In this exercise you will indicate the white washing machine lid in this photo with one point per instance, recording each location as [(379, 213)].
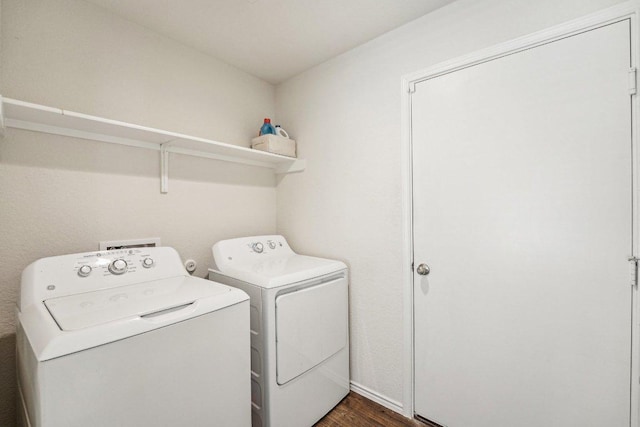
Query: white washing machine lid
[(146, 299), (68, 324), (281, 270)]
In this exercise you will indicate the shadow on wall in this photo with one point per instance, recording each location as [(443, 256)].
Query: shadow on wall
[(8, 390), (34, 151)]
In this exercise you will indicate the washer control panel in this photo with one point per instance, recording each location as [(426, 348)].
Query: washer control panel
[(116, 262), (76, 273)]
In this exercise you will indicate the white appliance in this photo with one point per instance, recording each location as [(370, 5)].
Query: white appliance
[(128, 338), (299, 328)]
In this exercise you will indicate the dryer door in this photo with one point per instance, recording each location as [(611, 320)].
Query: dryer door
[(311, 326)]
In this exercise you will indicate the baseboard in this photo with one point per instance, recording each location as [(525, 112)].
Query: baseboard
[(377, 397)]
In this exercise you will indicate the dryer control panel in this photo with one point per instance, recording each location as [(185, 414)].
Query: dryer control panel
[(250, 249), (267, 245)]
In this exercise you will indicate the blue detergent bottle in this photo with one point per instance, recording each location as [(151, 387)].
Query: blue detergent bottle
[(267, 127)]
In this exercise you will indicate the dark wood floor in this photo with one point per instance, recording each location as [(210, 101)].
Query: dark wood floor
[(357, 411)]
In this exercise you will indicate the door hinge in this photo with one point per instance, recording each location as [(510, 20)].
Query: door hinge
[(634, 270), (633, 79), (2, 126), (412, 87)]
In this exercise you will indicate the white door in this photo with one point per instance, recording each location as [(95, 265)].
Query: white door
[(523, 212)]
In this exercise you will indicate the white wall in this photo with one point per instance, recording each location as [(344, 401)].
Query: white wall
[(345, 114), (61, 195)]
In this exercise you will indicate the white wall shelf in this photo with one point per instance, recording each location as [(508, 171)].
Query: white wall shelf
[(40, 118)]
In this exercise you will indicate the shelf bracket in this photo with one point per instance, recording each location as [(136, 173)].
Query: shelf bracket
[(164, 168), (297, 166)]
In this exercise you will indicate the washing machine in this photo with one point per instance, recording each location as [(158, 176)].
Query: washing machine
[(128, 338), (299, 327)]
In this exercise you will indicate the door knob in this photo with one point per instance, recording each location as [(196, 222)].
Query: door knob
[(423, 269)]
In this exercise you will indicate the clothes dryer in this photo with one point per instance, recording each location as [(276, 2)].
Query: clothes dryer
[(128, 338), (299, 327)]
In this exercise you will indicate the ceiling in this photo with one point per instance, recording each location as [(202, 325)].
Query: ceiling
[(271, 39)]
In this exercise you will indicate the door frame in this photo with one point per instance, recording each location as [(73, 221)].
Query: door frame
[(629, 10)]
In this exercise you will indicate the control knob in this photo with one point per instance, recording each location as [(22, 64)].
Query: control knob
[(272, 244), (118, 266), (84, 271), (147, 263), (258, 247)]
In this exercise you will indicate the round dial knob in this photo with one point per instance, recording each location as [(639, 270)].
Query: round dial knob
[(118, 266), (272, 245), (84, 271), (147, 263), (258, 247)]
